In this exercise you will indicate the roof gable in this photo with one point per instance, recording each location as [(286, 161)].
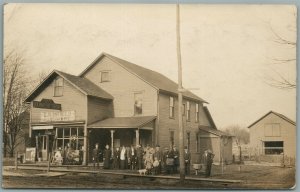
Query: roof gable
[(153, 78), (82, 84), (277, 114)]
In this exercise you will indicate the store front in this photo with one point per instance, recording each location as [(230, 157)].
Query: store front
[(67, 140)]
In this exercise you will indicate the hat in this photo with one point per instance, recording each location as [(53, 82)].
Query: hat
[(185, 147), (157, 145)]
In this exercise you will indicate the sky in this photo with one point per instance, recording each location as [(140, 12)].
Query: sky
[(228, 51)]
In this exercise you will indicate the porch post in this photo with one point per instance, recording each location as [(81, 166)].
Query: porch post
[(137, 137), (112, 139)]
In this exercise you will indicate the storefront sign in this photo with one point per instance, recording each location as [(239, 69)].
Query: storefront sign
[(42, 127), (46, 104), (58, 116)]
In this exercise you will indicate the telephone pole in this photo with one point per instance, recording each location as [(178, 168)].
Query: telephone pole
[(180, 90)]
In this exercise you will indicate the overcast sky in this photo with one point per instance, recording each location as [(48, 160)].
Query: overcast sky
[(227, 50)]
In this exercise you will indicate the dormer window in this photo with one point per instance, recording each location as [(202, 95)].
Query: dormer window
[(58, 87), (104, 75)]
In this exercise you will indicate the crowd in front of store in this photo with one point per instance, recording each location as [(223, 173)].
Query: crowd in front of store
[(152, 159)]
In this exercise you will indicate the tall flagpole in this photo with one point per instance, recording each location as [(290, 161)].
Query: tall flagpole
[(180, 90)]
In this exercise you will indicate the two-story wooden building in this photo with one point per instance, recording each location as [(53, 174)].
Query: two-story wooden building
[(113, 102)]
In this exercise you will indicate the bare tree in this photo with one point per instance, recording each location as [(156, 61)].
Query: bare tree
[(241, 135), (15, 89), (279, 79)]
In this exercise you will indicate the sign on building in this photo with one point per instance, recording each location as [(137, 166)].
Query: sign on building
[(57, 116)]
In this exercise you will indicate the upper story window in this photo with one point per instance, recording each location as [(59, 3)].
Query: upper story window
[(183, 109), (188, 115), (171, 113), (197, 113), (138, 103), (104, 76), (272, 130), (58, 87)]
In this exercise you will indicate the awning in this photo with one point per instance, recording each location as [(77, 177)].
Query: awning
[(42, 127), (124, 122)]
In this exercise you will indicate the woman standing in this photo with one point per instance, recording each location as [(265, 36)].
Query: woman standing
[(106, 157)]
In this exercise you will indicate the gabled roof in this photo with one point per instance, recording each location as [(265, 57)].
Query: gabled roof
[(214, 131), (210, 119), (123, 122), (156, 79), (82, 84), (275, 113)]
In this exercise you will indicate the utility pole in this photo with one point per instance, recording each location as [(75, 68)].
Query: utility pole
[(180, 90)]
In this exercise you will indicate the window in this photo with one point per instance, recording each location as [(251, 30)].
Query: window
[(188, 111), (272, 130), (273, 147), (197, 113), (104, 76), (188, 138), (183, 109), (138, 103), (171, 113), (172, 138), (58, 87), (72, 136)]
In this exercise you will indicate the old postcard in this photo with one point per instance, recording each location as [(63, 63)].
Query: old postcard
[(149, 96)]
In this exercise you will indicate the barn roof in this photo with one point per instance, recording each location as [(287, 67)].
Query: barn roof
[(82, 84), (154, 78), (275, 113)]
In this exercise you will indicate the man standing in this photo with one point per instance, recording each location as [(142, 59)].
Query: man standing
[(176, 159), (116, 157), (207, 160), (139, 154), (132, 157), (187, 160), (96, 156), (159, 155), (123, 157)]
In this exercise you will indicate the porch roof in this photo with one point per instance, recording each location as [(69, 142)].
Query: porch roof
[(123, 122), (214, 131)]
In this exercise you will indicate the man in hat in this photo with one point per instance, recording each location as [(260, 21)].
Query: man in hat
[(187, 160), (176, 159), (207, 160), (159, 155), (96, 156), (139, 156)]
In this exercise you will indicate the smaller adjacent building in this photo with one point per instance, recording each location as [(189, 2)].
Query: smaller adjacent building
[(273, 137), (218, 141)]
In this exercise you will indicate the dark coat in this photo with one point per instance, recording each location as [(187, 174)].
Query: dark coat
[(107, 158)]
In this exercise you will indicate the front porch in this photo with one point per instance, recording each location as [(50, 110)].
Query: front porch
[(120, 131)]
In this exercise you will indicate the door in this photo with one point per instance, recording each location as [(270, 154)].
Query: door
[(45, 147)]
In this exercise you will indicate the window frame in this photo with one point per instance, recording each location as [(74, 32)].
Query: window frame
[(172, 137), (58, 87), (272, 150), (171, 108), (134, 104), (197, 113), (101, 76), (188, 111)]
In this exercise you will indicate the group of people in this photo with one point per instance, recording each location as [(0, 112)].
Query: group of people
[(154, 160)]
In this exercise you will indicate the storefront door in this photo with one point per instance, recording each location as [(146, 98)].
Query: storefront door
[(45, 147)]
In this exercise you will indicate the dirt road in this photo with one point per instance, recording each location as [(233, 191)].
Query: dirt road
[(254, 177)]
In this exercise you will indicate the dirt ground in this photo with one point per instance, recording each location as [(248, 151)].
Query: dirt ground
[(253, 177)]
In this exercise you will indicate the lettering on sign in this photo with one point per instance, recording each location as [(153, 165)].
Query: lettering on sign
[(46, 104), (58, 116)]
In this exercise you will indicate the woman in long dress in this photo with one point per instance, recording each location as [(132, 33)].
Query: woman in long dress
[(106, 157)]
